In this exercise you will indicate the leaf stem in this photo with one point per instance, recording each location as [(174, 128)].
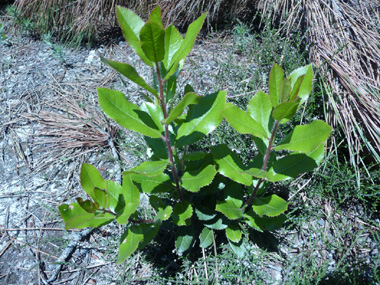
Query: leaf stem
[(266, 159), (167, 138)]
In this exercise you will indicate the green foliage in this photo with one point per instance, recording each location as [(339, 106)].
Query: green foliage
[(198, 192)]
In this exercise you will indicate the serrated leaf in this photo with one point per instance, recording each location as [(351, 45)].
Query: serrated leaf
[(186, 45), (230, 165), (188, 99), (264, 223), (90, 178), (155, 113), (74, 216), (129, 200), (157, 203), (129, 72), (205, 238), (285, 110), (270, 206), (218, 223), (202, 119), (205, 213), (275, 78), (184, 238), (149, 168), (153, 184), (243, 122), (152, 41), (229, 209), (307, 82), (173, 41), (193, 181), (306, 138), (182, 212), (131, 25), (260, 110), (129, 242), (126, 114), (233, 233), (155, 16)]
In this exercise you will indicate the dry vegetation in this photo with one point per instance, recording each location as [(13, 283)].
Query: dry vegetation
[(345, 46)]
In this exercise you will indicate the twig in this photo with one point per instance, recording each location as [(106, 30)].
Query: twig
[(75, 238)]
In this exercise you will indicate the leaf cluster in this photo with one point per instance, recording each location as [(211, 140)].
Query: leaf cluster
[(208, 191)]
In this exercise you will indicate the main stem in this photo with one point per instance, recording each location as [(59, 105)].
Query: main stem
[(266, 159), (167, 138)]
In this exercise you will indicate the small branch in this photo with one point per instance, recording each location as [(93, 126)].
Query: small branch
[(266, 159), (167, 138)]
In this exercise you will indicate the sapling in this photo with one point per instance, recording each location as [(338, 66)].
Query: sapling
[(207, 190)]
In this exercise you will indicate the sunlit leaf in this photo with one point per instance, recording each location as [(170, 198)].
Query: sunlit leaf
[(275, 78), (130, 242), (205, 238), (188, 99), (184, 238), (152, 40), (270, 206), (233, 233), (260, 109), (193, 181), (149, 168), (90, 178), (182, 212)]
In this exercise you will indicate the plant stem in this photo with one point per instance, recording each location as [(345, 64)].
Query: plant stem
[(167, 138), (266, 159)]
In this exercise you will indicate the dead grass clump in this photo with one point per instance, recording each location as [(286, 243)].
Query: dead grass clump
[(345, 47)]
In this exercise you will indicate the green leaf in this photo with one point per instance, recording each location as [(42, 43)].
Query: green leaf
[(205, 213), (239, 248), (184, 238), (285, 110), (126, 114), (285, 89), (275, 78), (129, 200), (296, 88), (170, 86), (260, 110), (193, 181), (307, 82), (164, 214), (74, 216), (91, 178), (129, 72), (156, 115), (243, 123), (306, 138), (153, 184), (131, 25), (155, 16), (229, 208), (115, 192), (188, 99), (202, 119), (102, 197), (149, 168), (158, 147), (152, 39), (263, 223), (173, 41), (186, 45), (205, 238), (157, 203), (230, 165), (88, 205), (233, 233), (129, 242), (218, 223), (182, 212), (294, 164), (270, 206), (149, 231)]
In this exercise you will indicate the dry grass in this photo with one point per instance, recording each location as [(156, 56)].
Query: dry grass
[(345, 47), (87, 21)]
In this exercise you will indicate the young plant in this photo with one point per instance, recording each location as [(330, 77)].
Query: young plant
[(198, 192)]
